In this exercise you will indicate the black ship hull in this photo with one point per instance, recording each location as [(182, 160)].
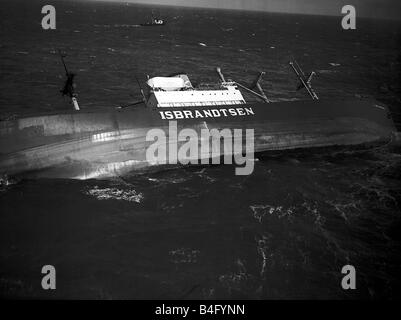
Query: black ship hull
[(106, 143)]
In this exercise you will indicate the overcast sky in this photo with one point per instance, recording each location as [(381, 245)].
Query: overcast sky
[(370, 8)]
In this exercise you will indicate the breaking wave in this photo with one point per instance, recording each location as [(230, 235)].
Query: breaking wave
[(115, 194)]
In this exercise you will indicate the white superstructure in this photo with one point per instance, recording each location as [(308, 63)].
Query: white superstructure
[(178, 91)]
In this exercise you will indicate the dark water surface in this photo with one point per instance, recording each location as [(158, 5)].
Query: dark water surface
[(201, 232)]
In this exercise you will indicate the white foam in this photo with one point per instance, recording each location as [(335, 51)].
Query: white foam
[(115, 194)]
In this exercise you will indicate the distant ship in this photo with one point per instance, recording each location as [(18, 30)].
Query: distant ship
[(101, 143), (153, 22)]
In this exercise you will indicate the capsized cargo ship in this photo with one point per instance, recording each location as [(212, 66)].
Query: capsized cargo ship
[(99, 143)]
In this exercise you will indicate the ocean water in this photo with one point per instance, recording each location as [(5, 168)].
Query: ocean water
[(200, 232)]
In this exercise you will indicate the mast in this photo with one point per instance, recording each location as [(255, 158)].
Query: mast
[(69, 85), (255, 84), (304, 82)]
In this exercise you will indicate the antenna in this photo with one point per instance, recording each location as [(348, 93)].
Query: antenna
[(144, 100), (140, 88), (62, 60)]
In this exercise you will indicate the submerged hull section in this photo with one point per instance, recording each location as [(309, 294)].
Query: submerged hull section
[(100, 144)]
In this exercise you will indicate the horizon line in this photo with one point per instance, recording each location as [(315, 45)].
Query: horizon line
[(146, 3)]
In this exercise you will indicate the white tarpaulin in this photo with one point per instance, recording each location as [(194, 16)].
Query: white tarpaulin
[(166, 83)]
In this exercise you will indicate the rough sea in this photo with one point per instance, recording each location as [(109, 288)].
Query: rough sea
[(283, 232)]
